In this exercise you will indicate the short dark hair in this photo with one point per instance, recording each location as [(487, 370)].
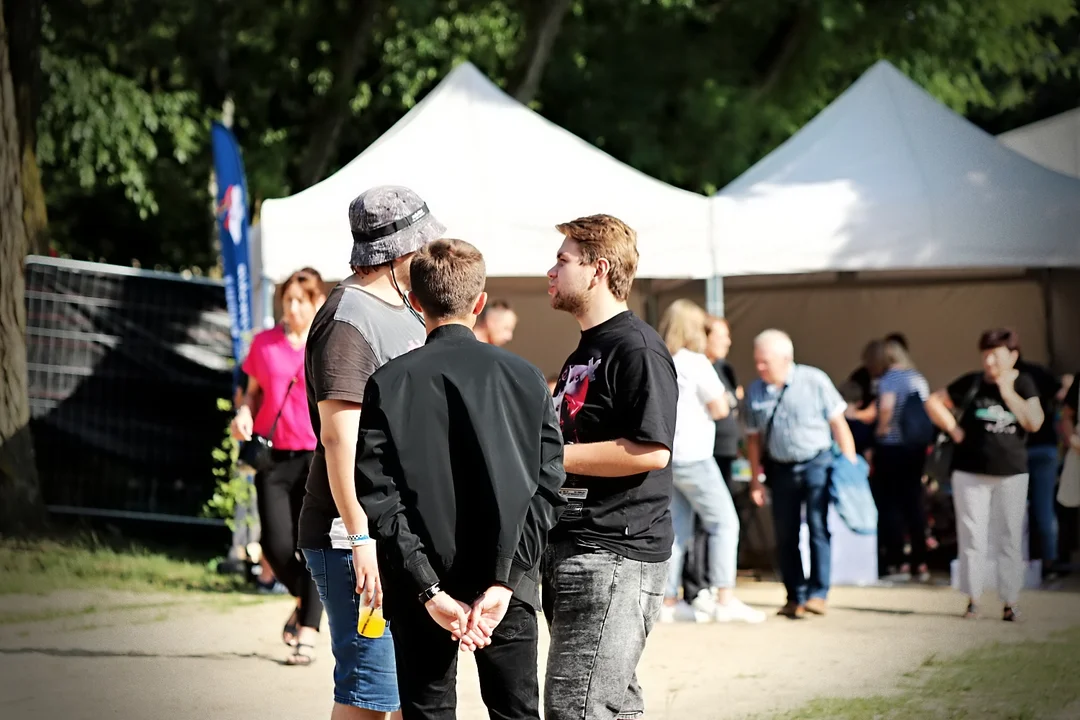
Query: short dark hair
[(899, 338), (1000, 337), (495, 306), (447, 277)]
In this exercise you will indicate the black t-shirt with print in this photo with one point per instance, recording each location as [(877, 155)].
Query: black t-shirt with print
[(994, 443), (619, 383), (727, 429), (1048, 387)]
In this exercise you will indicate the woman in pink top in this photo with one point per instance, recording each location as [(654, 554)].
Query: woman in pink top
[(275, 370)]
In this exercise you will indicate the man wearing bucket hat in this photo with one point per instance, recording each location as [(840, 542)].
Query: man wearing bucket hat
[(364, 323)]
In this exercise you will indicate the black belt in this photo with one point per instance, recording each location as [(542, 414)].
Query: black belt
[(283, 455)]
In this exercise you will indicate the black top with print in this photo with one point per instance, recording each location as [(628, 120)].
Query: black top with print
[(619, 384), (994, 443)]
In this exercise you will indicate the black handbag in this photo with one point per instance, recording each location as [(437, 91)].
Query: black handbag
[(940, 462), (256, 453)]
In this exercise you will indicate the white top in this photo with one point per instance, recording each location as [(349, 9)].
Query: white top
[(695, 430)]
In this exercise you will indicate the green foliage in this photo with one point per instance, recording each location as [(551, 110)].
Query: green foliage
[(1003, 681), (233, 489), (690, 91), (102, 127), (42, 565)]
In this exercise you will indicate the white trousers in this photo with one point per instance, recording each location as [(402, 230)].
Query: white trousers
[(989, 527)]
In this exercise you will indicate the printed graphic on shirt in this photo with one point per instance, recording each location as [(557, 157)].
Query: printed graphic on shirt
[(997, 420), (575, 501), (570, 395)]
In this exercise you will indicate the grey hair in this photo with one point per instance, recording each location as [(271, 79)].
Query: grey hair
[(778, 340)]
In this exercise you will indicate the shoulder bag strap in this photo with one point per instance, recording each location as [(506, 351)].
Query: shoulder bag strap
[(295, 377), (969, 398), (768, 426)]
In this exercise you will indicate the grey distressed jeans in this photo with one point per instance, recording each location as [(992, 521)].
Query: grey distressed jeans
[(600, 608)]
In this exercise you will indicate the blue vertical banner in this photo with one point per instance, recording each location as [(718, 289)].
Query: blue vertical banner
[(232, 221)]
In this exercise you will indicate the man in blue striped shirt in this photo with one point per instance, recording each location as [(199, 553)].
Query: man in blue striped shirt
[(793, 415)]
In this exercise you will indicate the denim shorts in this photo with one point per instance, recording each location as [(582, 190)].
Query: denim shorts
[(365, 675)]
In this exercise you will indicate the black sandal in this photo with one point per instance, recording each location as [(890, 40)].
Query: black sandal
[(1010, 614), (302, 654), (972, 612), (290, 633)]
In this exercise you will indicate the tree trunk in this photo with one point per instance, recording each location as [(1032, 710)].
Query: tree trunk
[(332, 113), (20, 497), (542, 29), (23, 20)]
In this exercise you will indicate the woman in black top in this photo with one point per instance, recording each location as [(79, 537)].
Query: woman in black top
[(997, 408)]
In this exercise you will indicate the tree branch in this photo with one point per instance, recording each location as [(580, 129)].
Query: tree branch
[(334, 110), (541, 30), (793, 36)]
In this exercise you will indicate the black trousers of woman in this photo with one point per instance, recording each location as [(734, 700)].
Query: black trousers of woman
[(695, 577), (280, 497), (898, 471)]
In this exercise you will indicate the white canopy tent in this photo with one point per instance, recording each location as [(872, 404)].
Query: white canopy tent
[(498, 175), (889, 212), (1053, 142), (887, 178)]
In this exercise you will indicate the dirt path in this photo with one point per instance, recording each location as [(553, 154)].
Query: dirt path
[(135, 656)]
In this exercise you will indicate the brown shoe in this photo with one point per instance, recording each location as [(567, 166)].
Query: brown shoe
[(793, 611), (816, 606)]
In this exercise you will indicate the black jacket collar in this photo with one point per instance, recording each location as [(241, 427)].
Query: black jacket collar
[(452, 331)]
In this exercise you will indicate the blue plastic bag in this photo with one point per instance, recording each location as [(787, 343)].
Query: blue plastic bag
[(849, 492)]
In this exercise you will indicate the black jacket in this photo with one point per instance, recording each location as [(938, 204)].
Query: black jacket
[(458, 467)]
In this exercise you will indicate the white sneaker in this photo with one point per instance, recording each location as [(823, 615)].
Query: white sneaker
[(705, 603), (681, 612), (736, 610)]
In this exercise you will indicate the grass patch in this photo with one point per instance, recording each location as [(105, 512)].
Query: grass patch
[(1006, 681), (38, 566)]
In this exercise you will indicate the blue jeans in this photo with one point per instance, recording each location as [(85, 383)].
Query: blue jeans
[(700, 488), (1042, 481), (365, 675), (792, 486)]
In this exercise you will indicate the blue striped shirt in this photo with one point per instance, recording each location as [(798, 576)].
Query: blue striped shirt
[(903, 384), (800, 428)]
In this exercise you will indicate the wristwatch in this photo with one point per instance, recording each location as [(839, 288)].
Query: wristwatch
[(429, 593)]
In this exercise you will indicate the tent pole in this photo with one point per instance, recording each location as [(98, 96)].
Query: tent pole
[(268, 302), (1048, 307), (714, 295)]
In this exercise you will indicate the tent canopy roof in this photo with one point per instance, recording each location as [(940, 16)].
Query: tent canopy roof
[(886, 178), (1053, 142), (498, 175)]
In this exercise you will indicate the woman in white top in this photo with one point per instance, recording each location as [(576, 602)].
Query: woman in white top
[(699, 486)]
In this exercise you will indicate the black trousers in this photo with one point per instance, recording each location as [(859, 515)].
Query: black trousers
[(280, 497), (427, 659), (898, 471), (696, 564)]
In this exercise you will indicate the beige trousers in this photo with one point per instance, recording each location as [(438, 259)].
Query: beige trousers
[(989, 527)]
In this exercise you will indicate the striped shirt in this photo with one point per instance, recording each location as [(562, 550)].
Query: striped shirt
[(903, 384), (800, 428)]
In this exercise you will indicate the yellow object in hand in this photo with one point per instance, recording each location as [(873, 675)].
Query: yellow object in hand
[(371, 623)]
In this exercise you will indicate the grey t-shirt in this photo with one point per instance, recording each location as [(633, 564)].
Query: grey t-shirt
[(352, 336)]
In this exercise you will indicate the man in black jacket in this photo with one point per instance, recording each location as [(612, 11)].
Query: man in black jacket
[(459, 467)]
